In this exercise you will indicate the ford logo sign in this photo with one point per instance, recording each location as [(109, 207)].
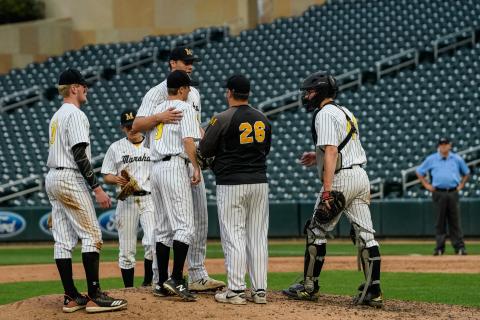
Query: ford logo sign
[(107, 223), (11, 224), (43, 224)]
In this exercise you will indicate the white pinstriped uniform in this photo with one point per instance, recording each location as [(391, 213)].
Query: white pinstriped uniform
[(244, 209), (73, 212), (124, 155), (198, 248), (172, 195), (332, 128)]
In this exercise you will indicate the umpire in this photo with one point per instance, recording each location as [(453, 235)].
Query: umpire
[(449, 173)]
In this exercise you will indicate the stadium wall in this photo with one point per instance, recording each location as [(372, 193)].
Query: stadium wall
[(391, 218)]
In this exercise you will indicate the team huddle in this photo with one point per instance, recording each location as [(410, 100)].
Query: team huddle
[(160, 162)]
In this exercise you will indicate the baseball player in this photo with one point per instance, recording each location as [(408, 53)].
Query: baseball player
[(182, 59), (239, 139), (131, 155), (339, 156), (173, 148), (67, 184)]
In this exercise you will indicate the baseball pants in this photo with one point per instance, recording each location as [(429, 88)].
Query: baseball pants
[(128, 214), (447, 209), (243, 216), (73, 213), (355, 186)]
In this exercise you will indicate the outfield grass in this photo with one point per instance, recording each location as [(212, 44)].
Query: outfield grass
[(13, 255), (458, 289)]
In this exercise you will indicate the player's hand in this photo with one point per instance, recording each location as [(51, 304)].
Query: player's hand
[(460, 186), (326, 198), (430, 188), (171, 115), (121, 181), (196, 177), (102, 198), (308, 159)]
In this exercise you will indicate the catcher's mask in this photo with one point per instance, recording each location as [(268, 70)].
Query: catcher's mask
[(323, 84)]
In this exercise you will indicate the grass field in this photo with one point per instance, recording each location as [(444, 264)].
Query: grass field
[(14, 255), (440, 288)]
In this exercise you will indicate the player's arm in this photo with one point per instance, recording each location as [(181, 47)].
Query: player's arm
[(329, 165), (464, 171), (144, 124), (109, 169), (421, 172), (191, 151), (190, 131), (85, 168), (209, 143)]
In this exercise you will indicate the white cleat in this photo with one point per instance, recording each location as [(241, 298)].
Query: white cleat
[(206, 284), (259, 296), (231, 297)]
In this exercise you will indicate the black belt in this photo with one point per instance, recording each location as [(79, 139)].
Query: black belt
[(446, 190), (63, 168), (141, 193), (168, 158), (351, 167)]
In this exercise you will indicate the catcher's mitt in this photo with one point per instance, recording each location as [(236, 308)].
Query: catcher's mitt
[(323, 214), (204, 163), (129, 188)]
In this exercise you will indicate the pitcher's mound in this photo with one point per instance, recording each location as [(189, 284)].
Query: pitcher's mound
[(143, 305)]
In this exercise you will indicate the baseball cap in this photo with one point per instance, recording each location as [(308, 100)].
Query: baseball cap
[(127, 117), (238, 83), (184, 54), (443, 140), (71, 76), (178, 79)]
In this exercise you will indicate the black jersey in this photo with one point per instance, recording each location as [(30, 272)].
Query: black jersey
[(239, 139)]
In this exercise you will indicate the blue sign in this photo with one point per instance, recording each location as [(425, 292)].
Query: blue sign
[(43, 224), (107, 223), (11, 224)]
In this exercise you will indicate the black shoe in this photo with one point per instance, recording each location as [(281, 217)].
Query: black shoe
[(297, 292), (146, 285), (373, 298), (179, 288), (74, 304), (102, 302), (160, 291), (462, 252), (438, 252)]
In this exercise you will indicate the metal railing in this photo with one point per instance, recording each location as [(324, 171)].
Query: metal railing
[(134, 59), (453, 40), (293, 99), (407, 58), (38, 179), (413, 169), (93, 73), (379, 193), (33, 94), (196, 38)]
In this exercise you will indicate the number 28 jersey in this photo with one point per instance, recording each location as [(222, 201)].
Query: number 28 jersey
[(239, 139)]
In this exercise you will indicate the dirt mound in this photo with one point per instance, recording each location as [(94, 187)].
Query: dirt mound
[(143, 305)]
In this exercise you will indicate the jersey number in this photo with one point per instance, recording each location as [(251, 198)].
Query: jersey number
[(159, 133), (53, 131), (354, 136), (246, 128)]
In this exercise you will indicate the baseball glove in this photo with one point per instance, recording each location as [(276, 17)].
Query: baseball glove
[(204, 163), (129, 188), (331, 205)]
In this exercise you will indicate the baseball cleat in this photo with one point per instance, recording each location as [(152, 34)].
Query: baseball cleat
[(371, 299), (297, 292), (259, 296), (206, 284), (179, 288), (232, 297), (160, 291), (74, 304), (102, 302)]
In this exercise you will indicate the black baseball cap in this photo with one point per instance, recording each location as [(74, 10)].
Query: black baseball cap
[(238, 83), (184, 54), (71, 76), (178, 79), (127, 117), (443, 140)]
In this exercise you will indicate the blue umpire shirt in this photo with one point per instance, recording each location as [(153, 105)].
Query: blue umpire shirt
[(446, 173)]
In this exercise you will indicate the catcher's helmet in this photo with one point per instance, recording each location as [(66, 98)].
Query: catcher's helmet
[(324, 85)]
